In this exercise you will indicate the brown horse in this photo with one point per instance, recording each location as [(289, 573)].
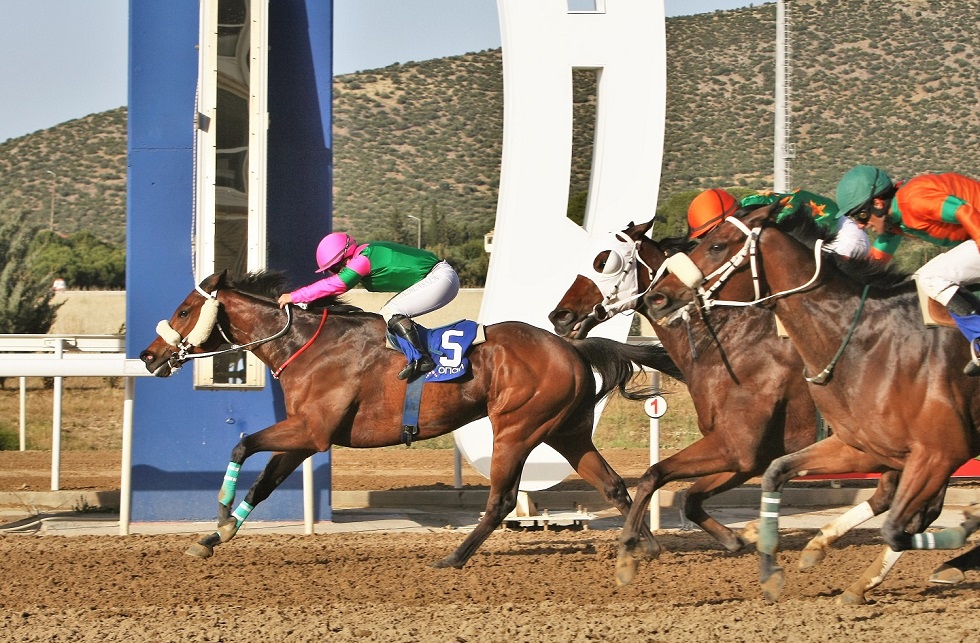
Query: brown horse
[(892, 390), (751, 403), (341, 388)]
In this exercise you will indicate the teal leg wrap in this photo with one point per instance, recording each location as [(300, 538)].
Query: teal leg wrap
[(769, 523), (227, 494), (951, 538), (242, 512)]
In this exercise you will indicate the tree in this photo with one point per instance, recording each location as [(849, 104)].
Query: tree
[(25, 291), (83, 260)]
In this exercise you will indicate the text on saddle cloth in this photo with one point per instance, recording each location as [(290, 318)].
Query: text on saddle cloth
[(448, 346)]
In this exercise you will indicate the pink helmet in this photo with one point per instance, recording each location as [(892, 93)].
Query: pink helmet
[(333, 248)]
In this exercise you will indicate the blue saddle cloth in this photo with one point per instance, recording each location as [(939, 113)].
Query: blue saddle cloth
[(448, 346)]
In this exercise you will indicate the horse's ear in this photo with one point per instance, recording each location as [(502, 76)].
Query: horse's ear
[(637, 230), (757, 217), (217, 281)]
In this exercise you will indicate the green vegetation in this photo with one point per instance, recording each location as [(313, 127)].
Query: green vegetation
[(81, 259), (25, 287), (424, 138)]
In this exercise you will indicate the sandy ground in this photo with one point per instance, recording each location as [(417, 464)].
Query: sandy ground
[(520, 586)]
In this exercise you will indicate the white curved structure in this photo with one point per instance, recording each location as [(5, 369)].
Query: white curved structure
[(537, 249)]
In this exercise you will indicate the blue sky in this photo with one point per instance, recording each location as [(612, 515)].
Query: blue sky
[(65, 59)]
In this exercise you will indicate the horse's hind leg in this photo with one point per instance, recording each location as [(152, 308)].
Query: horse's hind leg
[(954, 571), (279, 467), (816, 550), (593, 468), (505, 469)]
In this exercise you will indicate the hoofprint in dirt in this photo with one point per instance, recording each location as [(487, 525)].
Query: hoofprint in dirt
[(534, 585)]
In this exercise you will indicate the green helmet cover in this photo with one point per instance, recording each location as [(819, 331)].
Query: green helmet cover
[(860, 185)]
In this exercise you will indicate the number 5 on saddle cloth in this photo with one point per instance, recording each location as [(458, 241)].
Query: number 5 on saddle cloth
[(448, 346)]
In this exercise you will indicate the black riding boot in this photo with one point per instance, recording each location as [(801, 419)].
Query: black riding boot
[(965, 308), (405, 328)]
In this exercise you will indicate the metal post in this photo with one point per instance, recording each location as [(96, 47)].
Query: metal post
[(655, 456), (308, 520), (59, 350), (457, 467), (54, 181), (418, 236), (23, 413), (126, 475)]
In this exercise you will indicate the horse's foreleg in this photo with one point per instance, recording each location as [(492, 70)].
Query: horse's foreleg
[(951, 537), (291, 439), (504, 481), (826, 456), (707, 487), (816, 550), (918, 501)]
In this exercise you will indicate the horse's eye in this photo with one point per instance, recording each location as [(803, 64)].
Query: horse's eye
[(608, 262), (599, 263), (184, 314)]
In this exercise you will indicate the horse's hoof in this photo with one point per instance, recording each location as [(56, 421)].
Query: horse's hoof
[(228, 530), (445, 563), (200, 551), (772, 587), (750, 533), (947, 575), (810, 557), (626, 566), (851, 598), (650, 549)]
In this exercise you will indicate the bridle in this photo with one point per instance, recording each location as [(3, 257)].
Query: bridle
[(687, 271), (620, 290), (207, 321), (680, 264)]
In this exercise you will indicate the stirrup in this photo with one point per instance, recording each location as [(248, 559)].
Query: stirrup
[(972, 367), (416, 367)]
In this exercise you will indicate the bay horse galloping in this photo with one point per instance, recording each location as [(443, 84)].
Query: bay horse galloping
[(341, 388), (892, 389), (752, 405)]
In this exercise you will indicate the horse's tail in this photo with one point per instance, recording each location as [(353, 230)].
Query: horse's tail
[(615, 362)]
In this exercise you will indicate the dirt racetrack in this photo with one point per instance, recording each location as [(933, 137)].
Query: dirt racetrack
[(520, 586)]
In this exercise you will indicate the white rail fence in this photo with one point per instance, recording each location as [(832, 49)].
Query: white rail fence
[(61, 356)]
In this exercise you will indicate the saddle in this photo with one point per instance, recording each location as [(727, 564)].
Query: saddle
[(448, 346)]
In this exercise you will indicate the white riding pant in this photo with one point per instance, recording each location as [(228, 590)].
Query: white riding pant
[(434, 291), (942, 275)]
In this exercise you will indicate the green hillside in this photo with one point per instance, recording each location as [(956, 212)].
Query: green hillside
[(890, 83)]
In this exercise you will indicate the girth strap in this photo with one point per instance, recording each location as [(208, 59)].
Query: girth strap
[(410, 412)]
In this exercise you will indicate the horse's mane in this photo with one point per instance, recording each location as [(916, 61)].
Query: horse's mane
[(269, 284), (673, 245), (802, 227)]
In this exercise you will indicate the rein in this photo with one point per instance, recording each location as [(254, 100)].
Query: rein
[(824, 375), (279, 370), (686, 270), (207, 321)]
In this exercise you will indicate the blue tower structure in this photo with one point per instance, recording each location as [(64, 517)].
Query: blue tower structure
[(229, 148)]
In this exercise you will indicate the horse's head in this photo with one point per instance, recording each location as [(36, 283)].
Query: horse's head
[(612, 280), (723, 255), (191, 329)]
